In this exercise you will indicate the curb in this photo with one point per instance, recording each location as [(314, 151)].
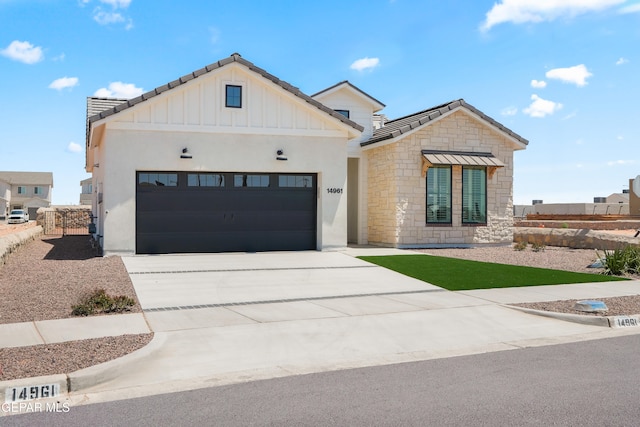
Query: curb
[(575, 318), (74, 381), (607, 321), (107, 371)]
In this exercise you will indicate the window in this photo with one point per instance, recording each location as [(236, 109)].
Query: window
[(251, 180), (439, 195), (158, 179), (37, 190), (22, 190), (205, 180), (343, 112), (233, 96), (299, 181), (474, 195)]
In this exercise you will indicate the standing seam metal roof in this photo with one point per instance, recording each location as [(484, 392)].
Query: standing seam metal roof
[(402, 125), (121, 105)]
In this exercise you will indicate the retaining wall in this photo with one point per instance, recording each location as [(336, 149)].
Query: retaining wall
[(11, 242), (573, 238)]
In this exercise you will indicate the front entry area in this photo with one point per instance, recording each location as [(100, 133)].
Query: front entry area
[(201, 212)]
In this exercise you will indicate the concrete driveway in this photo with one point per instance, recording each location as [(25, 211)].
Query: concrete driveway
[(225, 318)]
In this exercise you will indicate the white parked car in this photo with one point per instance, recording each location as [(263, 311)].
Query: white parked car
[(18, 216)]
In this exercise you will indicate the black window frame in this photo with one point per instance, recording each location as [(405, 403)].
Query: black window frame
[(466, 221), (345, 113), (229, 97), (449, 207)]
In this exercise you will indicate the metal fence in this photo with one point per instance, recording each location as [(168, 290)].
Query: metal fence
[(66, 222)]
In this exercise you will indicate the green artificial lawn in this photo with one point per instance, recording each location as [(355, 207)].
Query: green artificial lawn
[(461, 275)]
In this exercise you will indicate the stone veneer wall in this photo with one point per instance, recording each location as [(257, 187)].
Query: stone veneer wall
[(397, 190)]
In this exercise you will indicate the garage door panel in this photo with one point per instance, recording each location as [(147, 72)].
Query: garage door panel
[(185, 219)]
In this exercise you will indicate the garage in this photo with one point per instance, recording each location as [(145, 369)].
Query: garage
[(198, 212)]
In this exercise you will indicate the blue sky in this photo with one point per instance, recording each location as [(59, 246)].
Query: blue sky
[(564, 74)]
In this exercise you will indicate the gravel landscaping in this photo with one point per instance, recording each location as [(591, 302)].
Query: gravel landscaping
[(42, 280)]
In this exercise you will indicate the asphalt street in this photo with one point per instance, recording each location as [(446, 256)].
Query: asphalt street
[(587, 383)]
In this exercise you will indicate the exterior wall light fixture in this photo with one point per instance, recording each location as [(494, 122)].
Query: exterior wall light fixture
[(185, 154)]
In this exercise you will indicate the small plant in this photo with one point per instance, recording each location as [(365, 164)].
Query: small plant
[(621, 261), (520, 246), (565, 225), (537, 247), (101, 302)]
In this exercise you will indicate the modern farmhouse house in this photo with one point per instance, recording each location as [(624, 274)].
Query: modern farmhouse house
[(230, 158)]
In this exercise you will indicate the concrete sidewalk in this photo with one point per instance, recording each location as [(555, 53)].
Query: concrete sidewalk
[(72, 329)]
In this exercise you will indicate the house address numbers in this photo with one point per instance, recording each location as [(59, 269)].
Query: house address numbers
[(334, 190)]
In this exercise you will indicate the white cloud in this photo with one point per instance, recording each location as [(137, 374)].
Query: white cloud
[(622, 61), (119, 90), (570, 116), (113, 16), (23, 52), (106, 18), (620, 137), (577, 75), (632, 8), (117, 4), (621, 162), (535, 11), (538, 84), (365, 63), (64, 82), (541, 107), (509, 111), (74, 148)]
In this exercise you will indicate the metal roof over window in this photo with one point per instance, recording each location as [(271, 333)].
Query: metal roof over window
[(438, 157)]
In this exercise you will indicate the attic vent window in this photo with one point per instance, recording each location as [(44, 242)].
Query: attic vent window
[(343, 112), (233, 96)]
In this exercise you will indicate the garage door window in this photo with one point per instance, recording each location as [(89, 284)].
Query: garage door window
[(299, 181), (205, 180), (158, 179), (251, 180)]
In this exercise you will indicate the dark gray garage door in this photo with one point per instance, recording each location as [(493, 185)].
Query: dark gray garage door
[(180, 212)]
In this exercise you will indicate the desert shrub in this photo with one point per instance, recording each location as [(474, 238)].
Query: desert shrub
[(520, 246), (620, 261), (537, 247), (100, 302)]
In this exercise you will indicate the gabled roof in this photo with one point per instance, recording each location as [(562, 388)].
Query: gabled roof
[(402, 125), (27, 178), (121, 105), (348, 84)]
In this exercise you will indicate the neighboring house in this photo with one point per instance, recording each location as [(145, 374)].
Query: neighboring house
[(230, 158), (25, 190), (86, 192), (619, 197)]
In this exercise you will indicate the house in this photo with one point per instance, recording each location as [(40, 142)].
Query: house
[(25, 190), (86, 191), (231, 158)]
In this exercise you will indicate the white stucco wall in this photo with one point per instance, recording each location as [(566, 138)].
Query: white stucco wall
[(151, 136)]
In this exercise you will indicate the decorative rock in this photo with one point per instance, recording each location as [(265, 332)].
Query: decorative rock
[(590, 306)]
